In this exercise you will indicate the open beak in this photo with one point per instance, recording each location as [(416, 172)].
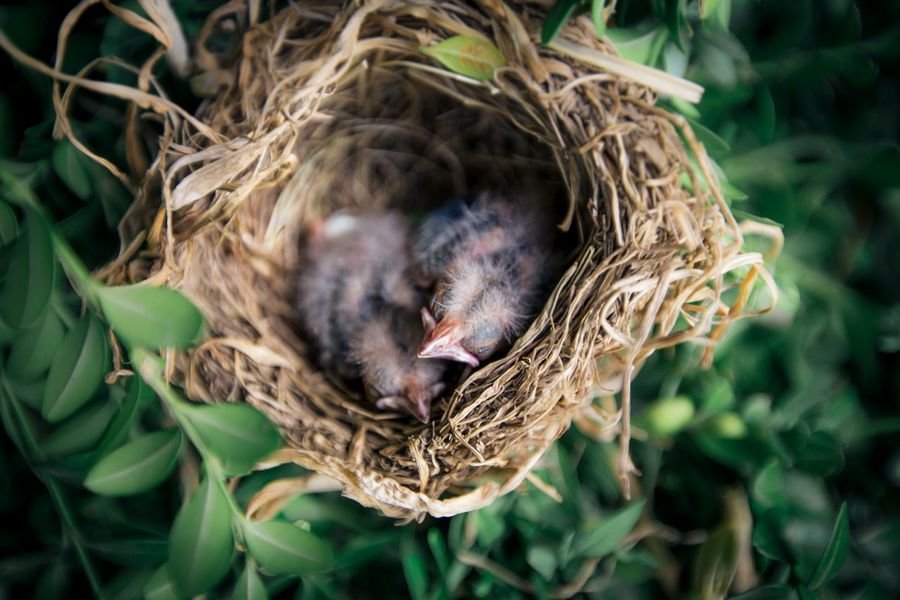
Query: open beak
[(443, 342)]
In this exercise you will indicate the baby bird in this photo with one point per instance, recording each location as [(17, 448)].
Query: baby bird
[(395, 378), (358, 305), (489, 262)]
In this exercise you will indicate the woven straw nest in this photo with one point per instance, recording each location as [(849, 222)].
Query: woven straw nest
[(332, 105)]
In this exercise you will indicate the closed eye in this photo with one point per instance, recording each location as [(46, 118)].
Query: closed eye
[(483, 351)]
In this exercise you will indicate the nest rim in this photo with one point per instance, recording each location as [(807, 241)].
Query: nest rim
[(648, 246)]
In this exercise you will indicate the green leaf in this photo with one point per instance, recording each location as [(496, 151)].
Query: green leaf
[(675, 61), (557, 16), (723, 14), (32, 352), (474, 57), (777, 591), (137, 466), (9, 225), (153, 317), (835, 553), (668, 416), (68, 163), (160, 586), (639, 46), (80, 431), (715, 145), (201, 543), (768, 487), (606, 537), (707, 7), (490, 526), (732, 192), (727, 425), (766, 536), (597, 17), (31, 274), (676, 19), (685, 108), (543, 560), (414, 568), (11, 424), (283, 549), (236, 433), (249, 586), (77, 370), (767, 116), (436, 545), (716, 565)]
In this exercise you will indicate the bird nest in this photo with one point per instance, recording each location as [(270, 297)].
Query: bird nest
[(332, 105)]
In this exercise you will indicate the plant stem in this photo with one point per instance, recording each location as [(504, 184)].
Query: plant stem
[(150, 367), (72, 532)]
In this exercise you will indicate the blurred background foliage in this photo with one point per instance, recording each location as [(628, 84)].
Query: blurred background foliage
[(774, 474)]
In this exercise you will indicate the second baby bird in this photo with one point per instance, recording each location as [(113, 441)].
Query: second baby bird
[(359, 307), (488, 260)]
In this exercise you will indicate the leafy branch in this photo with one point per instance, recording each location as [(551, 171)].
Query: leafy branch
[(230, 439)]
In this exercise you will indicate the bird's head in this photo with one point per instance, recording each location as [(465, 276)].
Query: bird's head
[(444, 340), (415, 400), (467, 341)]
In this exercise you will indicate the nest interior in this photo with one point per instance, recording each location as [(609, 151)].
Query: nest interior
[(331, 105)]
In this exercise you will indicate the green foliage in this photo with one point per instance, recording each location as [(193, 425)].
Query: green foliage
[(716, 565), (281, 548), (639, 45), (9, 227), (797, 414), (152, 317), (160, 586), (76, 371), (236, 434), (835, 553), (201, 542), (70, 165), (249, 586), (473, 56), (414, 568), (602, 538), (79, 432), (598, 16), (557, 16), (137, 466), (32, 351), (29, 276), (668, 416)]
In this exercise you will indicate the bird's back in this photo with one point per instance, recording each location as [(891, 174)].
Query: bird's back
[(491, 261), (354, 267)]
